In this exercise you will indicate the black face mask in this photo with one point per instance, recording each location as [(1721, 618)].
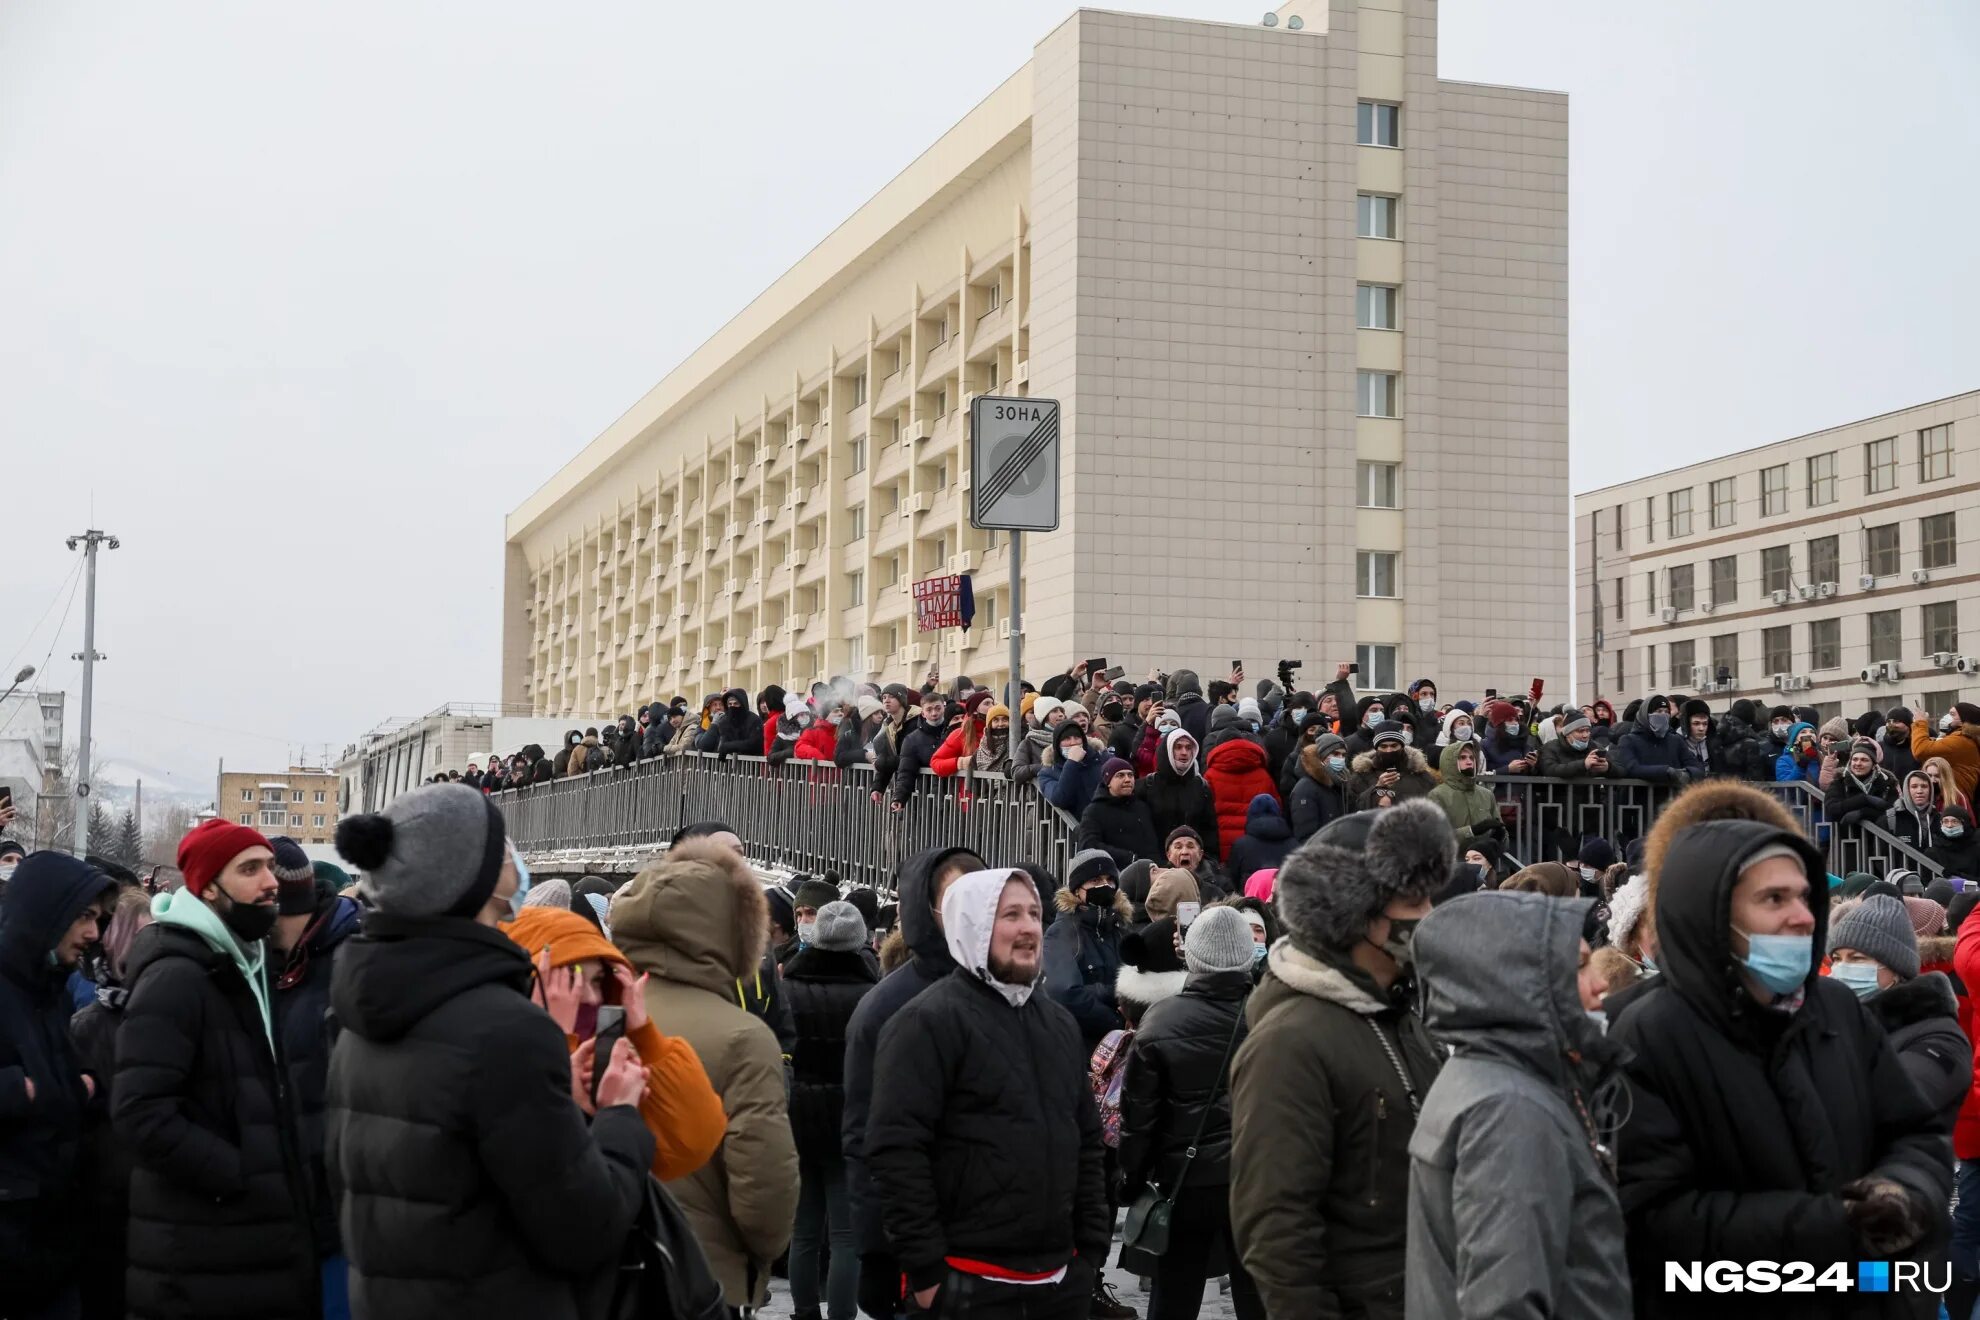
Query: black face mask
[(1101, 896), (249, 922)]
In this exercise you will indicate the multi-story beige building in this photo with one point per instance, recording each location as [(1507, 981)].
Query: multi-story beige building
[(1304, 305), (300, 802), (1830, 570)]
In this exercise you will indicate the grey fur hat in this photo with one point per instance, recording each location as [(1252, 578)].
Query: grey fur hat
[(1339, 880)]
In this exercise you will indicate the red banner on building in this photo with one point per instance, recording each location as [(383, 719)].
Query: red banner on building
[(943, 602)]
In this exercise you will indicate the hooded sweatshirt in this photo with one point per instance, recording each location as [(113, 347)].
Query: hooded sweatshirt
[(183, 909), (1467, 802)]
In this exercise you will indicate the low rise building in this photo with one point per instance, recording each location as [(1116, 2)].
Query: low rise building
[(300, 802), (31, 752), (402, 753)]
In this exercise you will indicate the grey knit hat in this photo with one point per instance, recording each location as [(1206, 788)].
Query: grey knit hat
[(840, 928), (1219, 940), (1342, 878), (1880, 927), (554, 892), (436, 851)]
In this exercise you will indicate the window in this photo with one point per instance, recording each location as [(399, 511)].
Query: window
[(1681, 591), (1825, 644), (1376, 124), (1650, 518), (1822, 479), (1375, 215), (993, 297), (296, 796), (856, 588), (1723, 502), (1938, 546), (1776, 650), (245, 820), (942, 402), (1941, 701), (247, 795), (274, 817), (1378, 668), (1725, 658), (1935, 453), (1725, 581), (1886, 635), (1941, 627), (1622, 684), (1881, 550), (990, 376), (1377, 484), (1374, 573), (1776, 569), (856, 654), (1375, 306), (1619, 598), (316, 822), (859, 454), (1880, 464), (1824, 560), (859, 389), (858, 523), (1773, 490), (1683, 661), (942, 475), (1619, 528), (1375, 393), (1678, 505), (1650, 591), (319, 797)]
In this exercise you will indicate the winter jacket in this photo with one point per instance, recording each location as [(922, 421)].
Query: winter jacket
[(220, 1199), (853, 736), (1961, 856), (106, 1159), (695, 923), (1652, 757), (560, 764), (820, 742), (1028, 755), (1067, 784), (653, 741), (1192, 709), (985, 1143), (1913, 825), (1082, 959), (918, 746), (1123, 826), (1267, 841), (1898, 760), (1355, 724), (44, 1231), (1467, 802), (953, 753), (450, 1128), (1849, 801), (1512, 1208), (824, 988), (1744, 747), (1560, 761), (1966, 971), (1921, 1016), (1744, 1123), (1500, 749), (738, 730), (1177, 799), (1124, 737), (308, 1030), (928, 962), (629, 738), (1237, 772), (1317, 798), (1961, 748), (1177, 1073), (1321, 1122), (1282, 740), (1791, 765), (1416, 780)]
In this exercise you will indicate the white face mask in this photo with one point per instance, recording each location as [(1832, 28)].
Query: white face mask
[(807, 931), (1588, 874), (1426, 704), (1461, 733), (1511, 727), (7, 870)]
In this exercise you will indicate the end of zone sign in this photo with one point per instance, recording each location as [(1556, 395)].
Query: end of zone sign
[(1014, 464)]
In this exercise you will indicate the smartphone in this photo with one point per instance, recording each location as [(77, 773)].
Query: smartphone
[(1237, 666), (1491, 694), (611, 1030), (1095, 666), (1109, 675), (1355, 668), (6, 796)]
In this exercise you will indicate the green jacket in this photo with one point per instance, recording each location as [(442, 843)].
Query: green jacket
[(1468, 803)]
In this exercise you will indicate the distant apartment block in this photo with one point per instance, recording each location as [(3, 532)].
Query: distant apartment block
[(300, 802)]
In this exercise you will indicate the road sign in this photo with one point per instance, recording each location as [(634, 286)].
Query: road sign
[(1014, 464)]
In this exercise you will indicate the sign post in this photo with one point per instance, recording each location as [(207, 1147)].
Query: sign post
[(1014, 487)]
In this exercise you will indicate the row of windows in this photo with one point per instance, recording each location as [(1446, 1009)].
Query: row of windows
[(275, 795), (1938, 631), (283, 818), (1881, 462), (1883, 553)]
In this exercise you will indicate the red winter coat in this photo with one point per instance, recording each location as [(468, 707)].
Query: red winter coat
[(1966, 964), (1236, 771), (950, 754), (770, 732), (817, 743)]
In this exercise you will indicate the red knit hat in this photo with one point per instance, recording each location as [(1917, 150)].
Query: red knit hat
[(209, 846)]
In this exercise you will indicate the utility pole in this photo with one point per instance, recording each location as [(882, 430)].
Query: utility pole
[(89, 540)]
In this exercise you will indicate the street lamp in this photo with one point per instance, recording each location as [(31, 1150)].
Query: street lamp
[(27, 672)]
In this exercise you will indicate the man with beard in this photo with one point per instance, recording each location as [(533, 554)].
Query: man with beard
[(985, 1146), (1897, 743), (1388, 773)]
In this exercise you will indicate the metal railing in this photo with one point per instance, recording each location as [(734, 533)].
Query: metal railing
[(802, 815)]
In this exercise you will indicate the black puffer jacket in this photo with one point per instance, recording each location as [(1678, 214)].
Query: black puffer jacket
[(42, 1233), (1175, 1067), (1124, 827), (1176, 799), (985, 1142), (1317, 798), (308, 1029), (1744, 1123), (1082, 960), (220, 1200), (627, 750), (824, 988), (918, 745), (738, 730), (1922, 1018), (106, 1157), (470, 1185), (1265, 843)]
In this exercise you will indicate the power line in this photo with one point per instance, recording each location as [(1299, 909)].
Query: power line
[(28, 640), (54, 638)]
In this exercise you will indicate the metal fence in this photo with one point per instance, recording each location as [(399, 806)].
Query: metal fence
[(803, 815), (809, 816)]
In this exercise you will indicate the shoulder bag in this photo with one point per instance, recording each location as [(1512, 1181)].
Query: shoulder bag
[(1146, 1227)]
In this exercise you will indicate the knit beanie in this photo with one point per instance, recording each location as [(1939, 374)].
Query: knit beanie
[(1879, 927), (867, 903), (1249, 709), (1218, 941), (840, 928), (436, 851), (552, 893), (1111, 767), (868, 707), (815, 894), (1181, 832), (1927, 918), (331, 876), (1968, 712), (781, 911), (294, 876), (1856, 882), (1090, 865), (1598, 853), (210, 845)]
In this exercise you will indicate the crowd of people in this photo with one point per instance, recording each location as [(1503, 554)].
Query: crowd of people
[(1284, 1018)]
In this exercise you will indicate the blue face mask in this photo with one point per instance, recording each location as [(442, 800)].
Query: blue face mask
[(1337, 765), (1860, 977), (1257, 952), (522, 881), (1780, 962)]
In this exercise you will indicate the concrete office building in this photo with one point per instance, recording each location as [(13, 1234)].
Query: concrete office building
[(1835, 570), (31, 753), (399, 754), (1305, 307), (300, 802)]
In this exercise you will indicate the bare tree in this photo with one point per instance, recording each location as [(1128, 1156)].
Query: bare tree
[(165, 825)]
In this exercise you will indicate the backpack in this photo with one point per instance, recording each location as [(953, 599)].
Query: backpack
[(1106, 1072)]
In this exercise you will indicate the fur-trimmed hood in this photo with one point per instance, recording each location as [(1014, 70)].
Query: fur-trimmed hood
[(1364, 764), (1917, 1000), (1313, 758), (1335, 883), (1309, 976), (1936, 950), (1065, 900), (696, 916), (1147, 989)]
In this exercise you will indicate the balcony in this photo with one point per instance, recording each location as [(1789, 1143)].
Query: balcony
[(891, 462), (892, 533)]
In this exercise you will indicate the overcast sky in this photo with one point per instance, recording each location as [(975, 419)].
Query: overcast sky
[(300, 299)]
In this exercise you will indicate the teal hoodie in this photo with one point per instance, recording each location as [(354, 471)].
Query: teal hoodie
[(183, 909)]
